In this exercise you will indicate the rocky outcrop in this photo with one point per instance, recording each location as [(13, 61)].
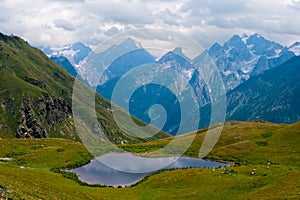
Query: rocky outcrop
[(35, 82), (41, 115)]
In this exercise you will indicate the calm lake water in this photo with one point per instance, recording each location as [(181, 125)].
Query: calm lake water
[(127, 169)]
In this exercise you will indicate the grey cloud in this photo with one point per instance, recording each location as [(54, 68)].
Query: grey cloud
[(295, 4), (95, 20), (158, 0), (248, 16), (3, 20), (258, 24), (72, 1), (46, 26), (196, 7), (226, 23), (124, 12), (61, 23), (228, 7), (220, 13), (169, 17)]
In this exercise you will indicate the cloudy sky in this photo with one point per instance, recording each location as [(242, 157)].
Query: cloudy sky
[(58, 22)]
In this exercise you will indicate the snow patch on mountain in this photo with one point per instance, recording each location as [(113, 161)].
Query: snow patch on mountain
[(295, 48), (75, 53), (238, 57)]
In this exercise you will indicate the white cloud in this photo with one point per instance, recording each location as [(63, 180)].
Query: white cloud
[(51, 22)]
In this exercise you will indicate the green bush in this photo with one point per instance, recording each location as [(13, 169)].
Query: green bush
[(266, 135), (20, 161), (60, 150), (38, 146), (262, 143), (229, 171), (13, 154)]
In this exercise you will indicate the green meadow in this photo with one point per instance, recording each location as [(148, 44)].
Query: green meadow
[(265, 160)]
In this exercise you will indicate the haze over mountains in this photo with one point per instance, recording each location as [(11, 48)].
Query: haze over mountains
[(241, 61), (237, 59)]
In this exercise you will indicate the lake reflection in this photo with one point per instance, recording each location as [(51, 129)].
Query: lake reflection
[(130, 169)]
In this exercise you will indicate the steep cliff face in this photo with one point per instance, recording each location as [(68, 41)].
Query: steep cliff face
[(35, 93), (45, 114)]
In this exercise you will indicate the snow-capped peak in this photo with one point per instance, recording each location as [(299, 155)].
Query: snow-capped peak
[(75, 53), (244, 38), (261, 46), (233, 41), (295, 48), (180, 53)]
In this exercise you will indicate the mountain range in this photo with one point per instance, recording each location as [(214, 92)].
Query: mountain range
[(273, 96), (238, 60), (242, 57)]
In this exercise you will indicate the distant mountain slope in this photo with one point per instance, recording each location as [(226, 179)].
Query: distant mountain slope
[(75, 53), (36, 97), (242, 57), (295, 48), (239, 59), (273, 96), (113, 62), (64, 63), (264, 63), (68, 56), (149, 94)]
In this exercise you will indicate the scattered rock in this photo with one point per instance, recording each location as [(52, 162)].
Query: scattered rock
[(5, 159), (4, 191)]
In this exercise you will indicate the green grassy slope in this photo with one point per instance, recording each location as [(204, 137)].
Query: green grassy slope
[(36, 97), (265, 156), (243, 143)]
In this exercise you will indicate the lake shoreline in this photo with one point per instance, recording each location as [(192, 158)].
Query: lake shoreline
[(182, 162)]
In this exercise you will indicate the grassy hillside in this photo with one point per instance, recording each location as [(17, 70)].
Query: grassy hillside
[(243, 143), (266, 160), (36, 97)]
